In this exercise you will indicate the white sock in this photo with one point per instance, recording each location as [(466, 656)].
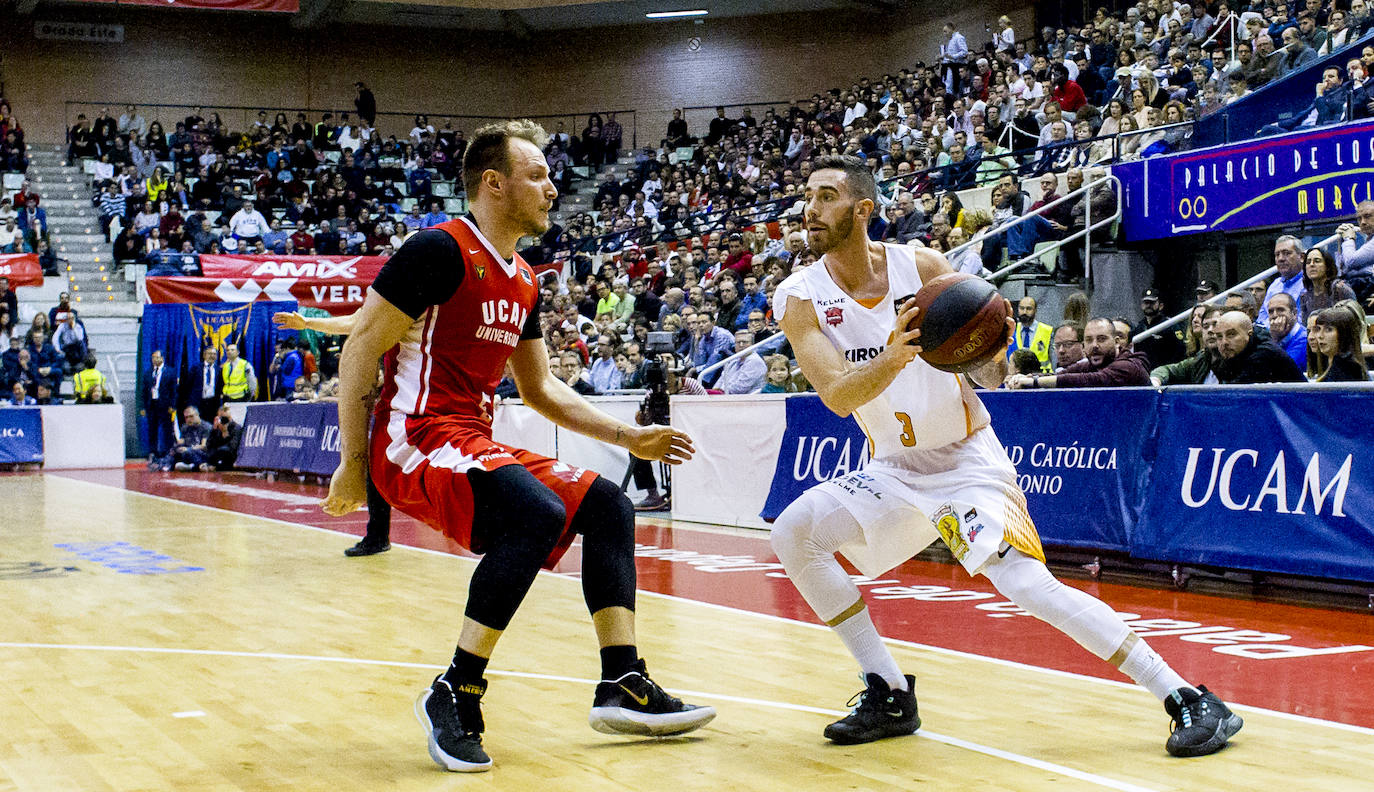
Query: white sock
[(861, 638), (1149, 670)]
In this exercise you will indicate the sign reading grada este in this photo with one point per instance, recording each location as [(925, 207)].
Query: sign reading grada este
[(79, 31)]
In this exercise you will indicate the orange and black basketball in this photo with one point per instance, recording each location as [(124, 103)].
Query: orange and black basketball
[(963, 322)]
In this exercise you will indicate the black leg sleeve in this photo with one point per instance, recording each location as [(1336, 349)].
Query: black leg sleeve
[(378, 515), (516, 523), (606, 521)]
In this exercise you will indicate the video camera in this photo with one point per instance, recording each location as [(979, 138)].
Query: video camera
[(655, 405)]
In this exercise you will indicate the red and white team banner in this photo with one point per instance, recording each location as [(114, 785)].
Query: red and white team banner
[(337, 297), (337, 284), (342, 269), (277, 6), (22, 269)]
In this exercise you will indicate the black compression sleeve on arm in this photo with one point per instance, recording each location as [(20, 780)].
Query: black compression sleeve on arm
[(426, 271), (531, 329)]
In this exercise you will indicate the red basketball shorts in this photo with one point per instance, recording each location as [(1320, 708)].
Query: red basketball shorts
[(420, 465)]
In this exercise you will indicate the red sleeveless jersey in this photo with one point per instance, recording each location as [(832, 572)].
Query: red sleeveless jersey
[(455, 353)]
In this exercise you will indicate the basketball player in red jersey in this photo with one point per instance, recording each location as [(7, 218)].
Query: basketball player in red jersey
[(450, 310)]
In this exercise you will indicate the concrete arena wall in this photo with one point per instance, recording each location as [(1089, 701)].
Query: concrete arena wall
[(173, 56)]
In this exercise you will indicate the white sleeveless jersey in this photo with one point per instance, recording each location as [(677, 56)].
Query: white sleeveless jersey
[(923, 407)]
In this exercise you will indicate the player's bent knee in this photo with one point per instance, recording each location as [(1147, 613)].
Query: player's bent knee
[(792, 530), (605, 510)]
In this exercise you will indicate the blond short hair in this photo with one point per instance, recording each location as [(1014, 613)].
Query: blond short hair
[(490, 149)]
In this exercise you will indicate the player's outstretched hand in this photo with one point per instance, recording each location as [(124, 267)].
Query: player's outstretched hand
[(289, 319), (347, 490), (661, 444)]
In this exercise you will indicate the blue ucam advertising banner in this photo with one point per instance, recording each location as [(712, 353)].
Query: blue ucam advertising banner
[(300, 437), (1305, 177), (1078, 459), (1262, 479), (21, 435), (1278, 482), (1076, 455), (817, 445)]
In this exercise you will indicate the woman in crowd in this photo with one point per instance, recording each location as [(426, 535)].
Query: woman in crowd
[(147, 219), (1140, 108), (1116, 110), (1004, 40), (156, 142), (1076, 308), (1128, 145), (1322, 288), (1194, 340), (593, 148), (953, 208), (40, 323), (1337, 34), (1335, 340), (156, 184)]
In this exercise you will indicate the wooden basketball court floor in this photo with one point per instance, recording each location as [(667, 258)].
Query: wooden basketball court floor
[(189, 632)]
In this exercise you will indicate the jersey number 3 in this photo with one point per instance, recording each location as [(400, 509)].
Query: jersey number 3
[(908, 437)]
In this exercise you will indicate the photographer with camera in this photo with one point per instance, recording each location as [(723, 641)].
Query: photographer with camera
[(662, 380)]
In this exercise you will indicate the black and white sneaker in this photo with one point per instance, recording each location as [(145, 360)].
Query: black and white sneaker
[(1201, 722), (635, 705), (453, 723), (880, 712)]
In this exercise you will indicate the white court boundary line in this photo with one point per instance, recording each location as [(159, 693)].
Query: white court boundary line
[(1069, 772), (1305, 719)]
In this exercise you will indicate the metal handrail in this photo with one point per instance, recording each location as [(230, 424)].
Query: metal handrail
[(1116, 145), (113, 362), (1059, 243), (1232, 22), (989, 232), (776, 340), (1175, 319)]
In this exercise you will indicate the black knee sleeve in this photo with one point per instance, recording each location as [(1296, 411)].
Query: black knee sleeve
[(516, 523), (606, 522)]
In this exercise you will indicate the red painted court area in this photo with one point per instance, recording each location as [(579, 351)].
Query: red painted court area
[(1301, 660)]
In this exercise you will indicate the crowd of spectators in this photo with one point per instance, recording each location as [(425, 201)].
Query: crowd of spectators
[(1067, 100), (54, 347), (1119, 86), (328, 186), (696, 263), (1307, 324)]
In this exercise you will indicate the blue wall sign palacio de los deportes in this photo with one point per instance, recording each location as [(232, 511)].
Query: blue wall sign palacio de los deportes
[(1306, 177)]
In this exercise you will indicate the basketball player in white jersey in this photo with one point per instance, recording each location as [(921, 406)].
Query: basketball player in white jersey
[(937, 470)]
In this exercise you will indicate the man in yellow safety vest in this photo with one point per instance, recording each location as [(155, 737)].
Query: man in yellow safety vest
[(240, 383)]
